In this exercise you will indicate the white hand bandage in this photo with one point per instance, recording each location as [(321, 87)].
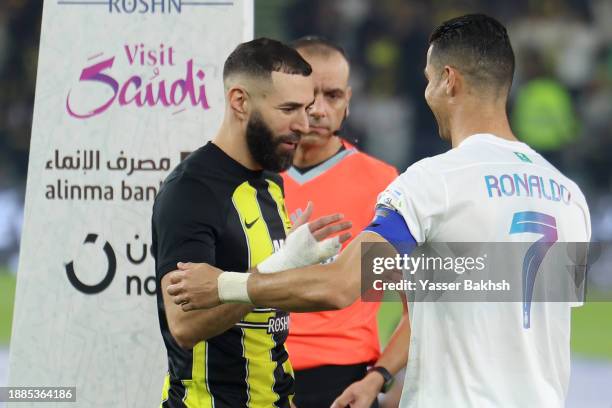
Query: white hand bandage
[(232, 287), (300, 249)]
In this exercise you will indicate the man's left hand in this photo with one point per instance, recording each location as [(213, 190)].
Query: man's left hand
[(360, 394)]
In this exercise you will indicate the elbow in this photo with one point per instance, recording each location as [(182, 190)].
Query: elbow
[(335, 299), (321, 299), (345, 293), (342, 300), (183, 339), (345, 289), (324, 291), (186, 338)]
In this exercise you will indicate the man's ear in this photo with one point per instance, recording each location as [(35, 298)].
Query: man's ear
[(349, 94), (453, 80), (239, 102)]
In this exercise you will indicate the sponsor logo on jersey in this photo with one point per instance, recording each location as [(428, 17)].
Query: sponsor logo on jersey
[(278, 324)]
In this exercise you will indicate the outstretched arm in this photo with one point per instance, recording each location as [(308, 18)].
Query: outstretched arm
[(318, 287)]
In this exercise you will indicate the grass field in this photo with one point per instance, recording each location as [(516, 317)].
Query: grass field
[(7, 296), (592, 330), (591, 327), (591, 324)]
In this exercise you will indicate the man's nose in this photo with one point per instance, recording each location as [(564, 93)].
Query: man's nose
[(317, 109), (300, 125)]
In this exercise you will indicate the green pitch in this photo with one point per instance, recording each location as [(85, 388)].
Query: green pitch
[(7, 296), (388, 316), (592, 330), (591, 327)]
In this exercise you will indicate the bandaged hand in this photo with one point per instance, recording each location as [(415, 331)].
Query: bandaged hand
[(309, 244)]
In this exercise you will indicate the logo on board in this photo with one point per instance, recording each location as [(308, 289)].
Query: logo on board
[(144, 6)]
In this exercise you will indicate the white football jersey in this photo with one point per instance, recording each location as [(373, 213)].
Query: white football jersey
[(470, 354)]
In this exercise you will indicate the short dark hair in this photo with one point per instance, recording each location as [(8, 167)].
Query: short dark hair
[(477, 45), (318, 45), (260, 57)]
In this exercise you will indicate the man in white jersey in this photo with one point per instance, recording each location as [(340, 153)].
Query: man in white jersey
[(488, 188)]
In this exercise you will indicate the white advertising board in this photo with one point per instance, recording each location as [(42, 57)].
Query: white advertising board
[(124, 88)]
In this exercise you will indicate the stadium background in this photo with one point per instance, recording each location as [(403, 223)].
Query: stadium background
[(561, 104)]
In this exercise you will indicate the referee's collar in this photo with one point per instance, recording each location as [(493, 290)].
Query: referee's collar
[(320, 168)]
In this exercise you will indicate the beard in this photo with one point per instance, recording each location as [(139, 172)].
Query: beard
[(265, 147)]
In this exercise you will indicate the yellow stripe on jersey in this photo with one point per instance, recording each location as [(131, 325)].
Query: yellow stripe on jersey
[(260, 368), (165, 389), (277, 195), (288, 368), (257, 343), (197, 394), (253, 223), (258, 317)]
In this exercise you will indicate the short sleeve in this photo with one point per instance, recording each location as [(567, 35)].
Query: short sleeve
[(419, 196), (185, 225), (584, 236)]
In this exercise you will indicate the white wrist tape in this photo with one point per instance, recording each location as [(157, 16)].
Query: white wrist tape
[(300, 249), (232, 287)]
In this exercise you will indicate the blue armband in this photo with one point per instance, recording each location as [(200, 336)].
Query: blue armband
[(390, 225)]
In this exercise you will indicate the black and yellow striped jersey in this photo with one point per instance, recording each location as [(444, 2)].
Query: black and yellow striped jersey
[(212, 209)]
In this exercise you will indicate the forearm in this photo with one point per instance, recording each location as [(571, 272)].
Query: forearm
[(312, 288), (189, 328), (318, 287), (395, 355), (393, 359)]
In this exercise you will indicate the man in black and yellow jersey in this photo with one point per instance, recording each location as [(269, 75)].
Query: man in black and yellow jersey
[(224, 205)]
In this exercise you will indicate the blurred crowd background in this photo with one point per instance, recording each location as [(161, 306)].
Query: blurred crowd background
[(561, 99), (560, 104), (19, 38)]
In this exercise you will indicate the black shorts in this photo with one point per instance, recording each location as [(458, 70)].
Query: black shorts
[(320, 386)]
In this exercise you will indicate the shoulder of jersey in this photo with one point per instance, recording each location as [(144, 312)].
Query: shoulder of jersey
[(192, 174), (275, 177), (576, 188), (437, 163), (569, 181), (181, 184)]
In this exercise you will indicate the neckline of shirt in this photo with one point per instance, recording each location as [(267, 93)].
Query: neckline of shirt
[(491, 138), (306, 169), (233, 163), (321, 168)]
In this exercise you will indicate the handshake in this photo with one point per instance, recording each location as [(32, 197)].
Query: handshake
[(202, 286)]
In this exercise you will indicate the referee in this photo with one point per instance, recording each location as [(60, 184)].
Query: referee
[(224, 205), (331, 351)]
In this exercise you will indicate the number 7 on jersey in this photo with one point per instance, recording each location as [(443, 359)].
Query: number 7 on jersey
[(538, 223)]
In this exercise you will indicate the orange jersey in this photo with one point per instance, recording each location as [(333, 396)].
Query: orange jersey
[(348, 183)]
